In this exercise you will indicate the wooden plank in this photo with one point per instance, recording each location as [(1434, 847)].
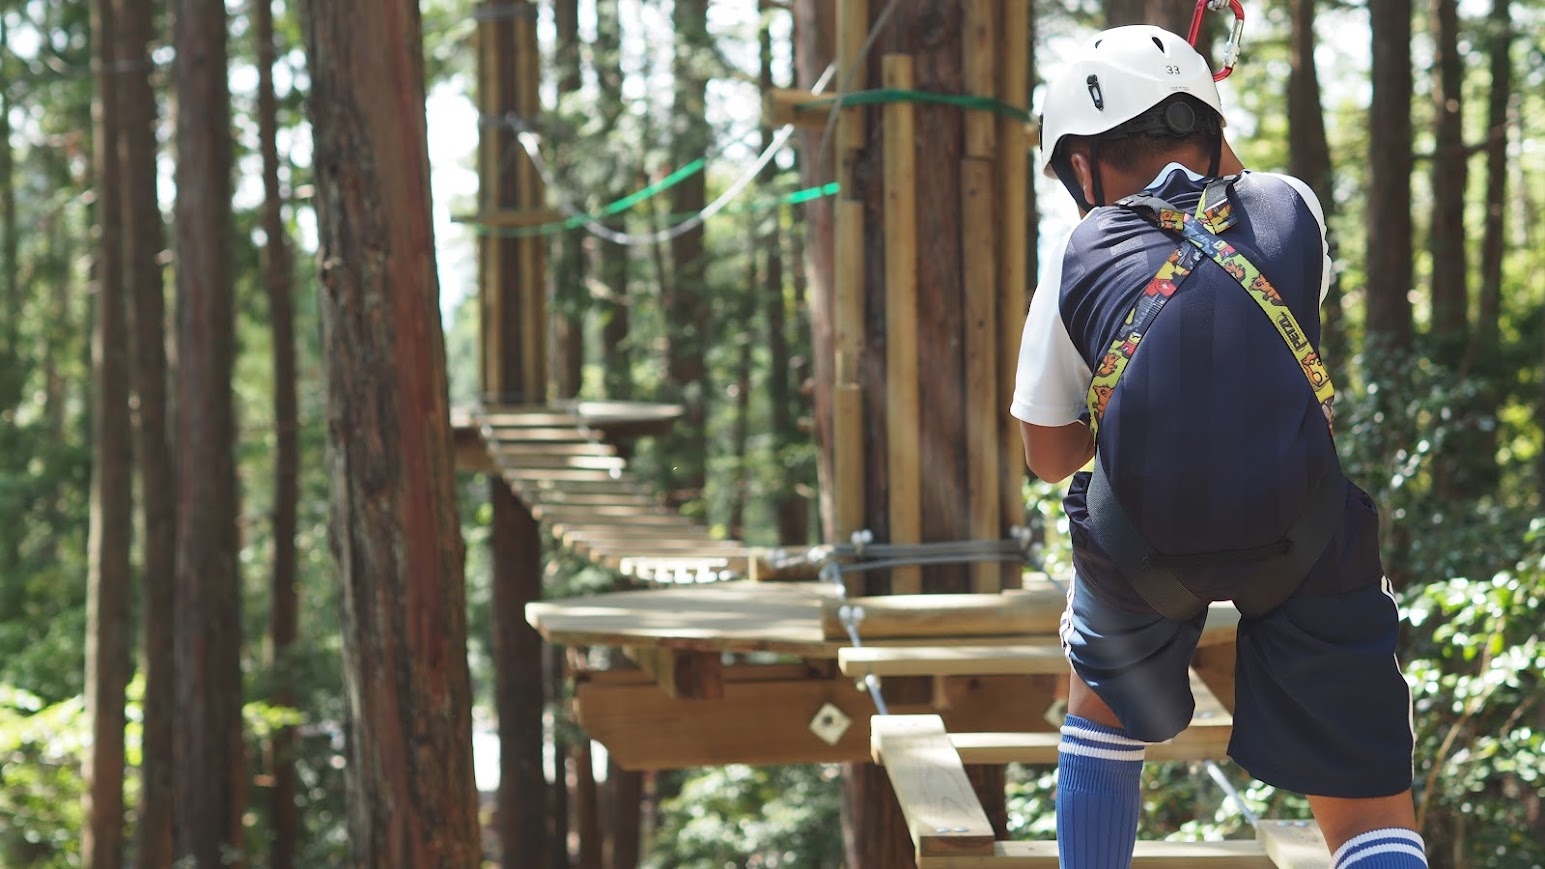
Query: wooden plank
[(616, 497), (1024, 659), (852, 31), (950, 615), (979, 63), (1149, 855), (903, 412), (511, 217), (631, 513), (535, 460), (1293, 844), (564, 475), (942, 811), (783, 106), (564, 490), (541, 434), (1012, 252), (640, 525), (767, 722), (507, 448), (1197, 742), (980, 279)]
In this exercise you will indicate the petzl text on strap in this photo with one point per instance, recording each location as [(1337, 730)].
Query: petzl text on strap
[(1214, 214)]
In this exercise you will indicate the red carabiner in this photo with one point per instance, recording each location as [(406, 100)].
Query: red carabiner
[(1231, 50)]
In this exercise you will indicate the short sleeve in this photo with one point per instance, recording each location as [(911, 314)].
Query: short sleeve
[(1307, 194), (1052, 384)]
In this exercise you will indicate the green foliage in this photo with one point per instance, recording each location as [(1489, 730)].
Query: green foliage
[(41, 746), (744, 817)]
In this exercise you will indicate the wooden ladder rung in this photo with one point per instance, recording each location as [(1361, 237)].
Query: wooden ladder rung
[(943, 814), (1197, 742), (1239, 854)]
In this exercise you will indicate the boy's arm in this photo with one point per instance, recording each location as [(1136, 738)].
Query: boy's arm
[(1053, 453)]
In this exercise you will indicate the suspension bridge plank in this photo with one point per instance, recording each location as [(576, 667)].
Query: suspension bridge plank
[(942, 811), (1293, 844), (1036, 610), (1149, 855)]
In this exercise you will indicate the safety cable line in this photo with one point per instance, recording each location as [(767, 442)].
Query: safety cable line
[(1216, 772), (529, 141)]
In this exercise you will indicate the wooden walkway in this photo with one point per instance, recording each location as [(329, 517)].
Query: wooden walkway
[(582, 491)]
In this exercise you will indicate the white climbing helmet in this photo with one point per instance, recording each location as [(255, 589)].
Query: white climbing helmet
[(1116, 76)]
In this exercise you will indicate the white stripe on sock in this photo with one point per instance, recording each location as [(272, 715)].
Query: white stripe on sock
[(1391, 833), (1097, 736), (1401, 848), (1101, 753)]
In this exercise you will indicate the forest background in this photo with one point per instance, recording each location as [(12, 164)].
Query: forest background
[(1435, 333)]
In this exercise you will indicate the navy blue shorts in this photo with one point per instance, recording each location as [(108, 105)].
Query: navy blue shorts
[(1321, 707)]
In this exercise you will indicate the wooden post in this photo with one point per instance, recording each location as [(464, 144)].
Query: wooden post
[(1013, 223), (848, 310), (978, 246), (901, 397)]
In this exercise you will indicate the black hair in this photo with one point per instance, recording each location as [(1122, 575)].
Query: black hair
[(1179, 122)]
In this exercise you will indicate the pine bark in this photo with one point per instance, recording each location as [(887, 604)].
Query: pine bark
[(686, 302), (8, 234), (144, 240), (210, 764), (1309, 159), (815, 29), (283, 616), (396, 537), (517, 650), (1485, 337), (612, 258), (1450, 277), (109, 576), (570, 296), (623, 827), (1388, 319)]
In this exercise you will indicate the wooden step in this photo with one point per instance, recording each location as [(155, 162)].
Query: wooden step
[(539, 434), (1041, 658), (1277, 845), (506, 448), (1197, 742), (541, 460)]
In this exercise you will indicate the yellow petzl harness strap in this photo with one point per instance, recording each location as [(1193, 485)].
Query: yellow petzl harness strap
[(1279, 568)]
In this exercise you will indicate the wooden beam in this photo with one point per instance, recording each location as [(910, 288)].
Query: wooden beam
[(852, 74), (847, 396), (942, 811), (949, 615), (683, 675), (1040, 658), (903, 423), (767, 722), (511, 218), (1149, 855), (979, 59), (980, 279), (784, 106), (1198, 742), (1011, 205), (1293, 844)]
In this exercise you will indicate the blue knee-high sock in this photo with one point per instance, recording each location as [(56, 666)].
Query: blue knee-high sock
[(1099, 774), (1389, 848)]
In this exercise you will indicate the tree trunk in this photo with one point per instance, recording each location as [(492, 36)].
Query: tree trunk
[(1309, 159), (815, 29), (8, 237), (623, 809), (109, 576), (1450, 278), (283, 605), (1388, 320), (396, 537), (686, 303), (555, 666), (587, 807), (571, 298), (210, 763), (613, 258), (517, 652), (1484, 341), (786, 506), (144, 241), (1172, 15), (740, 433)]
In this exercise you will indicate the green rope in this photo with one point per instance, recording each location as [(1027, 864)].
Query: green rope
[(794, 198)]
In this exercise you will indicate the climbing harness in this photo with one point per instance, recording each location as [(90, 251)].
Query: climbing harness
[(1281, 565), (1231, 50)]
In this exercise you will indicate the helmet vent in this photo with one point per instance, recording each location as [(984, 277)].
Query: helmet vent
[(1157, 44), (1097, 42)]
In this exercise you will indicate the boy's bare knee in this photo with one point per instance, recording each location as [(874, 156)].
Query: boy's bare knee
[(1341, 819)]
